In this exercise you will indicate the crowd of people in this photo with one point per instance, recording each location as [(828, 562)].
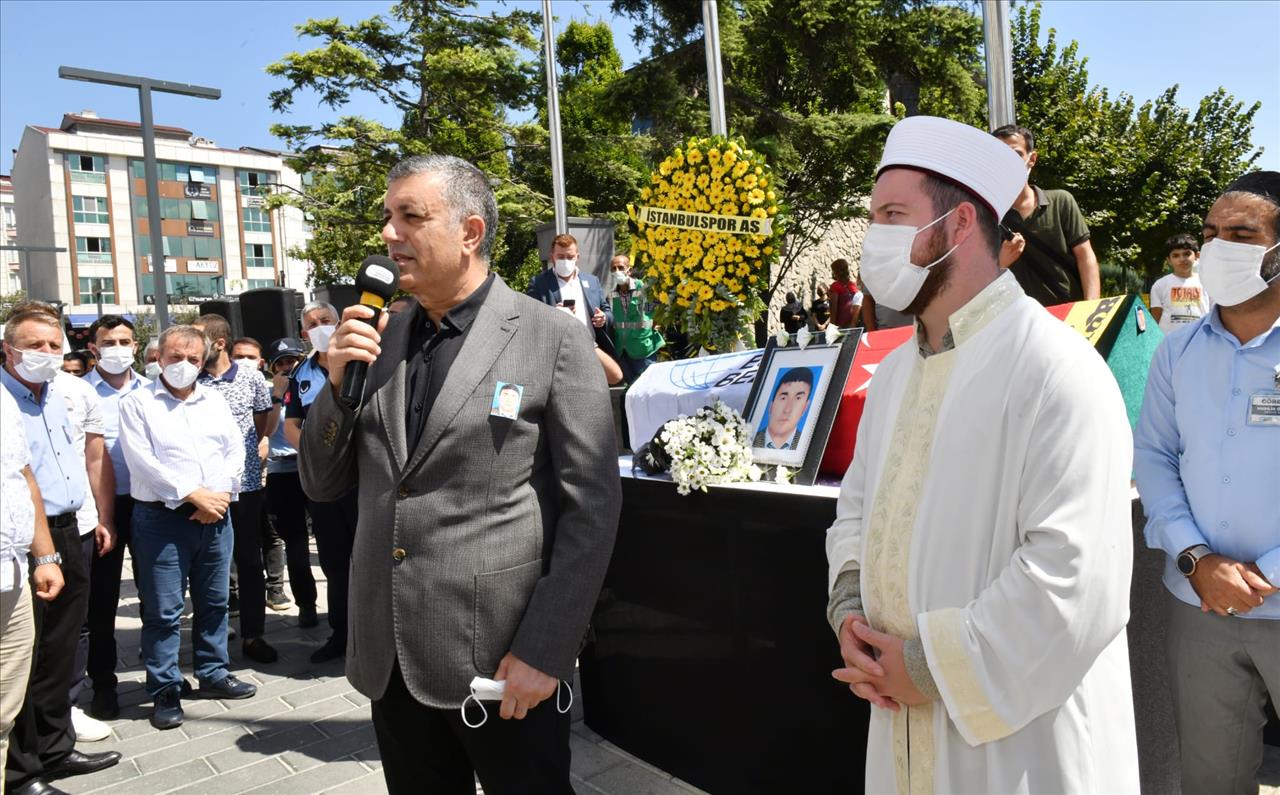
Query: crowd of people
[(978, 588)]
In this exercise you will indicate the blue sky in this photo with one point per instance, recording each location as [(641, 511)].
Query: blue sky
[(1133, 46)]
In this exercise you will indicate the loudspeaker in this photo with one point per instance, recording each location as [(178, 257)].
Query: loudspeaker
[(229, 307), (271, 313)]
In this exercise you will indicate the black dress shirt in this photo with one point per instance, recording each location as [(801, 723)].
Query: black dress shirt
[(431, 354)]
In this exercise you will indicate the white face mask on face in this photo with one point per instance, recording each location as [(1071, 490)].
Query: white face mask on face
[(1232, 272), (886, 265), (565, 267), (38, 367), (152, 370), (180, 375), (116, 359), (319, 337)]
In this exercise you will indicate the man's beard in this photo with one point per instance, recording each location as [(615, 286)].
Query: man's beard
[(939, 275)]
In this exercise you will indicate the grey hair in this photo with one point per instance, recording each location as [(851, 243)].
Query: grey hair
[(466, 191), (154, 345), (314, 305), (185, 333)]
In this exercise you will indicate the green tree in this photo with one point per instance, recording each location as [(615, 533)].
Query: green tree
[(448, 73)]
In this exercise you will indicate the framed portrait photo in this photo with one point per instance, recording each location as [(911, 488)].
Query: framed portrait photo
[(793, 404)]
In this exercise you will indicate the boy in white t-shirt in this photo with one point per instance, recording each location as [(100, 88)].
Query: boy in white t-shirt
[(1178, 298)]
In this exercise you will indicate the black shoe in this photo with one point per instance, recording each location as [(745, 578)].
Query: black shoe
[(78, 764), (307, 616), (258, 650), (233, 606), (229, 687), (168, 709), (276, 600), (37, 787), (105, 705), (331, 650)]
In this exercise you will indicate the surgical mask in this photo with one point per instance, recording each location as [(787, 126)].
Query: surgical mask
[(116, 359), (152, 370), (565, 267), (886, 266), (180, 375), (250, 362), (483, 690), (1232, 272), (38, 367), (319, 337)]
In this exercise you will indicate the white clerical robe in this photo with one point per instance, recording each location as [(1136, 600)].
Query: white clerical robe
[(987, 508)]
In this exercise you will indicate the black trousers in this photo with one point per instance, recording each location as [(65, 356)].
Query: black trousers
[(42, 735), (104, 599), (424, 749), (272, 550), (288, 504), (246, 523), (334, 524)]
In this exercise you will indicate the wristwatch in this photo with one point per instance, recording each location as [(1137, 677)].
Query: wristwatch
[(1190, 557), (54, 558)]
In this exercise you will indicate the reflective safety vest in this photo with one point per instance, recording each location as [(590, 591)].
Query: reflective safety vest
[(632, 326)]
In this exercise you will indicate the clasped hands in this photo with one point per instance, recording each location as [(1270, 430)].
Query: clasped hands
[(875, 669), (1223, 583), (210, 506)]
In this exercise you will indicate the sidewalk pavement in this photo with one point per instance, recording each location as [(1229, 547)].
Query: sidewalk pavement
[(306, 731)]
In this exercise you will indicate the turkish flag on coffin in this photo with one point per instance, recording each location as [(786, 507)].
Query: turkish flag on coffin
[(1119, 328)]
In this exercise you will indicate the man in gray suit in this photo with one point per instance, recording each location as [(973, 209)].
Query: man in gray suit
[(482, 540)]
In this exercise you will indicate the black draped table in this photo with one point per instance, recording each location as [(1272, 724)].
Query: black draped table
[(710, 655)]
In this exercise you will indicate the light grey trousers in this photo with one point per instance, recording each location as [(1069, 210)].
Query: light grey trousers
[(1220, 671)]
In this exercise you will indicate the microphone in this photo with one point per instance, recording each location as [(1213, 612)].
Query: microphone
[(377, 282)]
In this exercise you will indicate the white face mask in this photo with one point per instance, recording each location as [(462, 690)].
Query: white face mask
[(152, 370), (886, 266), (319, 337), (180, 375), (38, 367), (483, 690), (1232, 272), (250, 362), (565, 267), (116, 359)]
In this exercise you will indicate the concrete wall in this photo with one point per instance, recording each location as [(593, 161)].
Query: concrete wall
[(813, 269)]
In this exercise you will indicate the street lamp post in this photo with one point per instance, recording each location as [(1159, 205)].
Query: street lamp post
[(553, 119), (715, 70), (24, 262), (145, 85), (999, 55)]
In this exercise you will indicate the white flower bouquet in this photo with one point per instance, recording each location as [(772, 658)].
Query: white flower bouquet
[(710, 447)]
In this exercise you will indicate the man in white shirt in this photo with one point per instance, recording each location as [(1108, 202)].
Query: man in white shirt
[(112, 340), (981, 554), (186, 458), (23, 529), (1178, 298), (567, 287)]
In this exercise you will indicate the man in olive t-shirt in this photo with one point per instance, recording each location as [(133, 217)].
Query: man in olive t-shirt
[(1054, 218)]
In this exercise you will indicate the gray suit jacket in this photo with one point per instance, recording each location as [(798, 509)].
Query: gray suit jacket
[(491, 535)]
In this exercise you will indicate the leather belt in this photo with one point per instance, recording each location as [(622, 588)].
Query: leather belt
[(63, 520)]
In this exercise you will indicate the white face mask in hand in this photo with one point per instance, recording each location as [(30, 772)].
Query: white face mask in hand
[(483, 690), (1232, 272), (319, 337), (38, 367), (886, 266)]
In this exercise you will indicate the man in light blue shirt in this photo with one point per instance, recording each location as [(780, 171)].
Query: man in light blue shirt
[(1207, 454), (113, 343)]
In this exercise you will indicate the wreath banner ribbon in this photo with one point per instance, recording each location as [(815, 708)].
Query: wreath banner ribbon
[(707, 222)]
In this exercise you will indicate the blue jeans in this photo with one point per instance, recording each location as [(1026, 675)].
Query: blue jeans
[(172, 551), (632, 368)]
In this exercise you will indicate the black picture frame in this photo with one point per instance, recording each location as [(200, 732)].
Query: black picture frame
[(838, 356)]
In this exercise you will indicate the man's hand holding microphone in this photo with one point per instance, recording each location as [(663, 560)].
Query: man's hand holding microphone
[(357, 341)]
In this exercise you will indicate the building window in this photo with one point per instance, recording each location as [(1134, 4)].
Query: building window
[(256, 220), (255, 284), (8, 218), (93, 245), (256, 183), (181, 286), (87, 168), (89, 209), (258, 255), (90, 285)]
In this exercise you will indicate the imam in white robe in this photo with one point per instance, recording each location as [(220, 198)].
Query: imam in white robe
[(987, 509)]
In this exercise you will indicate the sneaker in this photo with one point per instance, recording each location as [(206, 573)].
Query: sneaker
[(258, 650), (331, 650), (307, 616), (89, 730), (276, 600), (105, 705), (228, 687), (168, 707)]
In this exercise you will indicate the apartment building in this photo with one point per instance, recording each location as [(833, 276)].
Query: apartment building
[(10, 278)]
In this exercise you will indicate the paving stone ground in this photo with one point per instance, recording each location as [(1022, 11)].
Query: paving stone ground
[(308, 731)]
